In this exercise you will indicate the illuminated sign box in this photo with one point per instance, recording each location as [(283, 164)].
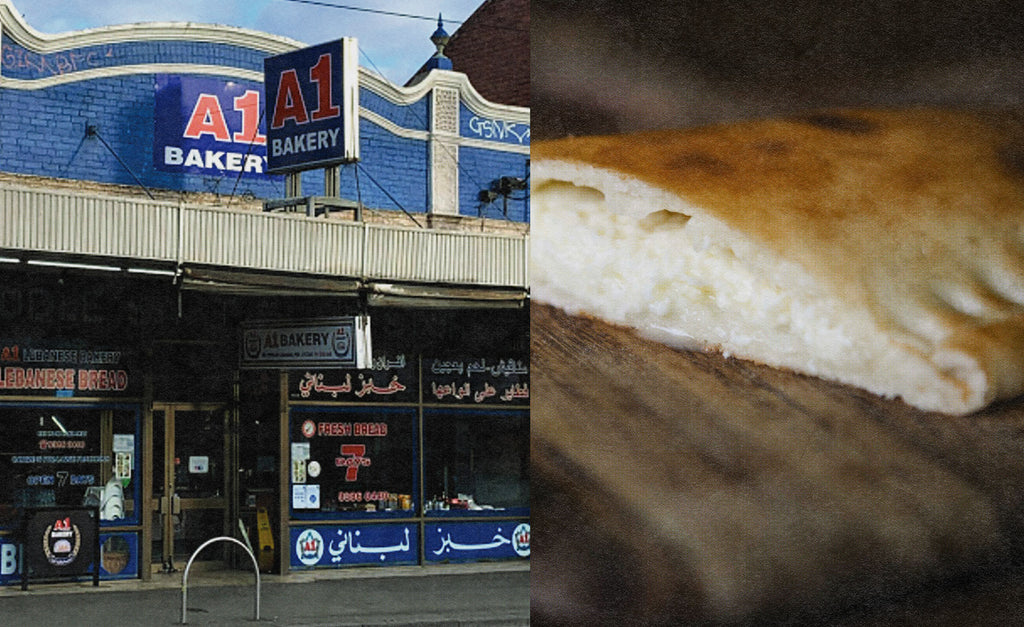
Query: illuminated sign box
[(312, 107)]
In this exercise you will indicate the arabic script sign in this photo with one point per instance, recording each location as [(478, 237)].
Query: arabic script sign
[(329, 546), (390, 379), (464, 541), (327, 343), (476, 381)]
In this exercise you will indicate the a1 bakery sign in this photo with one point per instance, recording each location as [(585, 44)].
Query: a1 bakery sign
[(61, 541), (209, 126), (313, 106)]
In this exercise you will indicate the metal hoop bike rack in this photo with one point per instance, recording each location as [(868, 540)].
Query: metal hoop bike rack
[(184, 576)]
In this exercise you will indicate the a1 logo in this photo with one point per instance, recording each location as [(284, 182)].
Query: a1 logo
[(290, 104), (208, 119), (521, 540)]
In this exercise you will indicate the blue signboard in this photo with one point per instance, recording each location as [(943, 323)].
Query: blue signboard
[(312, 106), (469, 541), (119, 558), (348, 545), (10, 573), (209, 126)]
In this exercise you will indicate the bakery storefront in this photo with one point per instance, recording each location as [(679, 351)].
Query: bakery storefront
[(417, 459), (73, 384), (218, 410), (328, 359), (118, 395), (72, 439)]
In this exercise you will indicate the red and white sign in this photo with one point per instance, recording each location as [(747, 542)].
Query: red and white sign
[(313, 106)]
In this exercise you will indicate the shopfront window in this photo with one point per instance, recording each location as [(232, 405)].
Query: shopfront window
[(64, 456), (475, 461), (352, 462)]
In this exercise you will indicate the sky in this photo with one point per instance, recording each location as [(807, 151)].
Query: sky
[(392, 45)]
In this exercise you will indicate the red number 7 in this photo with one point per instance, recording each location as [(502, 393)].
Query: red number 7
[(357, 451)]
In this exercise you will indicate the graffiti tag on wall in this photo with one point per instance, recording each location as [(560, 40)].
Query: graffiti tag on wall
[(24, 63), (499, 130)]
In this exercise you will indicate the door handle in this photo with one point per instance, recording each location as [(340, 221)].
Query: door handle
[(175, 504)]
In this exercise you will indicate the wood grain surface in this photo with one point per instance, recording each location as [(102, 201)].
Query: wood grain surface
[(683, 487)]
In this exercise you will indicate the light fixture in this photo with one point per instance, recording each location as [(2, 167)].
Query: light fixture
[(72, 265), (151, 271), (57, 422)]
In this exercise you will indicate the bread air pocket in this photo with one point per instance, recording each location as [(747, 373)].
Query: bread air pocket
[(881, 249)]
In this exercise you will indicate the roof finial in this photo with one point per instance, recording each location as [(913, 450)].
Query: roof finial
[(440, 38)]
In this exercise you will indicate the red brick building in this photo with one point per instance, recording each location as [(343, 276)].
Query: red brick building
[(492, 47)]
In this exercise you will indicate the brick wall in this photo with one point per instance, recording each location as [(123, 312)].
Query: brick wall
[(493, 48), (48, 100)]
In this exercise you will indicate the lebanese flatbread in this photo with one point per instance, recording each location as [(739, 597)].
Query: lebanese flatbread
[(881, 249)]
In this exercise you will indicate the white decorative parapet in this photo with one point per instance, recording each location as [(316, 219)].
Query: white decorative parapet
[(120, 231)]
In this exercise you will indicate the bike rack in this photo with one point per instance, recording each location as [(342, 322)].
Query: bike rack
[(184, 576)]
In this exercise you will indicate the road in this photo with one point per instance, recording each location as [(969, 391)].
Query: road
[(480, 594)]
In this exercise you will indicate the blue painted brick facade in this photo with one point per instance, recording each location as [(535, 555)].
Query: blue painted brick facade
[(45, 110), (415, 116), (478, 170), (21, 63), (477, 126)]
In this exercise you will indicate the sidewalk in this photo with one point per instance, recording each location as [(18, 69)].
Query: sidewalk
[(455, 594)]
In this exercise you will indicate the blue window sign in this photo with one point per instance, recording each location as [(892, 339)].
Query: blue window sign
[(469, 541), (346, 545)]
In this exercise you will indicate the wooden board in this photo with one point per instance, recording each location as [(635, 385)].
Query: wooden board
[(673, 486)]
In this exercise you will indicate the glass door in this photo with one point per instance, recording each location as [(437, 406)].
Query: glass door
[(190, 480)]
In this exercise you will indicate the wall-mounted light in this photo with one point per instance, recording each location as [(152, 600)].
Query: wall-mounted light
[(502, 187), (509, 184)]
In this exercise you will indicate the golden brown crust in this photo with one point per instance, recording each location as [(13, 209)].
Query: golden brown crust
[(915, 215), (883, 168)]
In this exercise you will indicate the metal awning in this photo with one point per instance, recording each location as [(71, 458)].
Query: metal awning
[(223, 249), (377, 294)]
